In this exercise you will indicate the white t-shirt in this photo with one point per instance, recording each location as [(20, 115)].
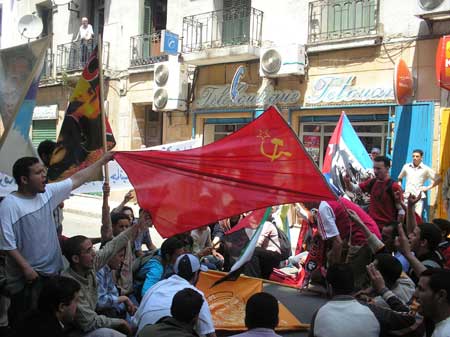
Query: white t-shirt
[(28, 225), (269, 238), (327, 221), (158, 300), (202, 239), (86, 33), (442, 329), (416, 176)]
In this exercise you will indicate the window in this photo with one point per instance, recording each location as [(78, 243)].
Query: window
[(236, 21), (337, 19), (218, 128), (316, 135), (223, 130)]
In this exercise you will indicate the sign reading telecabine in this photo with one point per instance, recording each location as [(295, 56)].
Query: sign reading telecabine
[(219, 96), (336, 89), (169, 42)]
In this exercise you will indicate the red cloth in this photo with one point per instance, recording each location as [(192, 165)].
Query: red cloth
[(382, 204), (343, 221), (261, 165)]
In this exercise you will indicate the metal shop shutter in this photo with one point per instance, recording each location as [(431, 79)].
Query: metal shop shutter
[(42, 130)]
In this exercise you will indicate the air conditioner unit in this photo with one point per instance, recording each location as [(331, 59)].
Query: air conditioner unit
[(279, 61), (432, 7), (170, 86)]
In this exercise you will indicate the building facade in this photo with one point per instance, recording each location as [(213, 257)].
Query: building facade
[(344, 59)]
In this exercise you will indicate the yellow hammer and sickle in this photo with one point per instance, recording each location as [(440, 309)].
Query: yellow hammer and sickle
[(275, 154)]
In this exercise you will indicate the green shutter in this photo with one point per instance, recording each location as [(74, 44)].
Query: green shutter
[(43, 130), (236, 22)]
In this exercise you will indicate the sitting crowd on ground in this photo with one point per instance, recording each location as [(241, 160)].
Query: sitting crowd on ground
[(384, 271)]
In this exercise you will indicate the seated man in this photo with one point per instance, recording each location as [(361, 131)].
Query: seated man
[(261, 322), (57, 304), (84, 262), (158, 299), (153, 267), (109, 302), (204, 249), (185, 309)]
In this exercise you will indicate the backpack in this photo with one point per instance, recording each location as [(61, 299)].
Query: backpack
[(285, 244)]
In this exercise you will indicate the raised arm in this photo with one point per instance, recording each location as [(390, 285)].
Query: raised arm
[(405, 249), (106, 229), (89, 172)]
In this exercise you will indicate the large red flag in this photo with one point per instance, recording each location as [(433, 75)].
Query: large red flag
[(260, 165)]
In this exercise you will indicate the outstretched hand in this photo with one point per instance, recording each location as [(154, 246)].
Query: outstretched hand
[(412, 199), (403, 242), (375, 277)]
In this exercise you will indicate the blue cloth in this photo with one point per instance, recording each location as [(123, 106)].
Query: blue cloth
[(403, 261), (142, 238), (108, 295), (153, 271)]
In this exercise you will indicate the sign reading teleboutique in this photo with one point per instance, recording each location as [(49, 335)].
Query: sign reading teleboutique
[(219, 96), (339, 89)]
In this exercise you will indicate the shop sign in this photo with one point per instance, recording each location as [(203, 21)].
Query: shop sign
[(45, 112), (338, 89), (443, 62), (403, 83), (212, 96)]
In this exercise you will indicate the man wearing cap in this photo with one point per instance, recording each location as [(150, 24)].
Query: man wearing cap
[(158, 299)]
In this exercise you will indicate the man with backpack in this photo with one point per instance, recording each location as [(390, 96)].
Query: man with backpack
[(385, 194)]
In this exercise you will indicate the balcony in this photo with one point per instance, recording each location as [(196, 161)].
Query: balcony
[(145, 50), (352, 22), (72, 56), (229, 35)]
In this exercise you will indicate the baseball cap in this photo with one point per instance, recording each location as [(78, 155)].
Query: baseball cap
[(187, 264)]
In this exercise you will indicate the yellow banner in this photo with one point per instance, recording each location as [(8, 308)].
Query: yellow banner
[(444, 157), (227, 303)]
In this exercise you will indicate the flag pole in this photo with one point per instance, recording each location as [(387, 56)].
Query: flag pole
[(102, 101)]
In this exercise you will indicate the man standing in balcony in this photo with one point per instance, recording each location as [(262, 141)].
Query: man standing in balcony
[(85, 35)]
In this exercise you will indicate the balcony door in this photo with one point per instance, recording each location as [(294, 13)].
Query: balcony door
[(236, 22), (153, 126)]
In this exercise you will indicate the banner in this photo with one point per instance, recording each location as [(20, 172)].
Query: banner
[(260, 165), (227, 303), (80, 142), (118, 179), (20, 72), (345, 154), (443, 62)]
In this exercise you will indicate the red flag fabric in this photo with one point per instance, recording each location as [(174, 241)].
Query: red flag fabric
[(80, 141), (261, 165)]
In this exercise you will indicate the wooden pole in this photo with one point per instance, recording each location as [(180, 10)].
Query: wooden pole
[(102, 101)]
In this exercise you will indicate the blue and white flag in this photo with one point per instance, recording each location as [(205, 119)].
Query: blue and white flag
[(345, 155)]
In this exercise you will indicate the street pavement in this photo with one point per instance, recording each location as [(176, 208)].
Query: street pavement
[(82, 216)]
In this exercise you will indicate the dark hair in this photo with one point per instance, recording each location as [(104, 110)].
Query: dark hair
[(186, 305), (127, 208), (46, 148), (389, 267), (72, 246), (419, 151), (261, 311), (340, 277), (116, 217), (384, 159), (431, 233), (439, 279), (169, 247), (21, 168), (187, 239), (57, 290), (443, 224)]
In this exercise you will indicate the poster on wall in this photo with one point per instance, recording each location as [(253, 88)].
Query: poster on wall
[(312, 146)]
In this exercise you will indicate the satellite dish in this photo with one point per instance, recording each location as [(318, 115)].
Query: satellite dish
[(271, 61), (161, 74), (429, 5), (30, 26), (60, 2)]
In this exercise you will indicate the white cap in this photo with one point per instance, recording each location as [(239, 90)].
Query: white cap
[(187, 264)]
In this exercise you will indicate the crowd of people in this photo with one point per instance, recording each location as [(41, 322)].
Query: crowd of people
[(384, 270)]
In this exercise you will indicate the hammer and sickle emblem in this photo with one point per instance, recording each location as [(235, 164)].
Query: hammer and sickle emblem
[(277, 142)]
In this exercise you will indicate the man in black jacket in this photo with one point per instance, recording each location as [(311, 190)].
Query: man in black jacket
[(185, 309)]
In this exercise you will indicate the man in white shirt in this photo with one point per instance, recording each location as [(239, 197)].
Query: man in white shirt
[(433, 295), (417, 173), (158, 299), (85, 35)]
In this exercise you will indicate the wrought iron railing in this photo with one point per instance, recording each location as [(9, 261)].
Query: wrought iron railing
[(340, 19), (47, 68), (145, 49), (227, 27), (73, 56)]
